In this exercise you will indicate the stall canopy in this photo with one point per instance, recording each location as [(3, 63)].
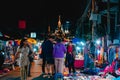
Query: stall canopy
[(75, 40), (31, 40)]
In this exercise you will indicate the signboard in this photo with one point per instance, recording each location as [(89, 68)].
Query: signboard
[(22, 24), (33, 35)]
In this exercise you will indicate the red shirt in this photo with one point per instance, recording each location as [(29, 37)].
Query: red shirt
[(70, 49)]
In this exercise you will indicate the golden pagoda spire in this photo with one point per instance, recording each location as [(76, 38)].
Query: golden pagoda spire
[(49, 29), (59, 22)]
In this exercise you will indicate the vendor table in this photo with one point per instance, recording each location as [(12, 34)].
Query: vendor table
[(79, 63)]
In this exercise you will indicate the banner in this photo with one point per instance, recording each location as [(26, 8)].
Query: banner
[(22, 24)]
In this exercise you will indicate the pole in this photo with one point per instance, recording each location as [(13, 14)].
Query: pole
[(108, 18), (119, 19), (108, 28), (116, 21), (94, 22)]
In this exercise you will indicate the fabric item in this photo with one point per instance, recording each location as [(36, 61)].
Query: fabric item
[(119, 54), (100, 56), (59, 65), (79, 63), (92, 48), (59, 50), (91, 71), (111, 55), (109, 68), (118, 78), (86, 56)]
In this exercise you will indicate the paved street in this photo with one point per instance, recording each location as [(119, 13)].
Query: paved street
[(15, 75)]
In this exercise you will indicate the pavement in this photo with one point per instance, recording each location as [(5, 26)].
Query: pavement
[(36, 74), (36, 71), (15, 74)]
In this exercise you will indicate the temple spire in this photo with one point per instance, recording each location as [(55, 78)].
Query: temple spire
[(59, 22), (49, 29)]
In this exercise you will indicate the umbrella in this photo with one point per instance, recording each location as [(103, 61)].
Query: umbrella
[(31, 40), (18, 41)]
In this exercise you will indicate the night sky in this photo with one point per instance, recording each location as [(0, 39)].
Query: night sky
[(39, 14)]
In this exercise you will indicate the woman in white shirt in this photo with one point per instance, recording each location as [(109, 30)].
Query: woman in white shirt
[(23, 52)]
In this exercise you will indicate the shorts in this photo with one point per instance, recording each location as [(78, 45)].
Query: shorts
[(50, 60)]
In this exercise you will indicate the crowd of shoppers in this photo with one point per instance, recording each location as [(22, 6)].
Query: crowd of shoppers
[(53, 55)]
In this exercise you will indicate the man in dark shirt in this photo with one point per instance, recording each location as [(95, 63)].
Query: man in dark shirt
[(47, 55)]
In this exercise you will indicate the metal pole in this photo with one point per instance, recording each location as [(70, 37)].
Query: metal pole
[(115, 21), (108, 18), (119, 19), (93, 9)]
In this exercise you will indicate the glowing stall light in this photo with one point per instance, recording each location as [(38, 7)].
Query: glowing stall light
[(38, 44), (3, 53), (78, 42), (34, 49), (98, 42), (83, 48), (98, 51), (82, 43), (78, 48), (66, 43)]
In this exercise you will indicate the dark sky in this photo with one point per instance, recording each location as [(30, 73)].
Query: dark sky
[(39, 14)]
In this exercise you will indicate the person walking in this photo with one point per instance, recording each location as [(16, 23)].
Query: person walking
[(22, 53), (58, 53), (31, 58)]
